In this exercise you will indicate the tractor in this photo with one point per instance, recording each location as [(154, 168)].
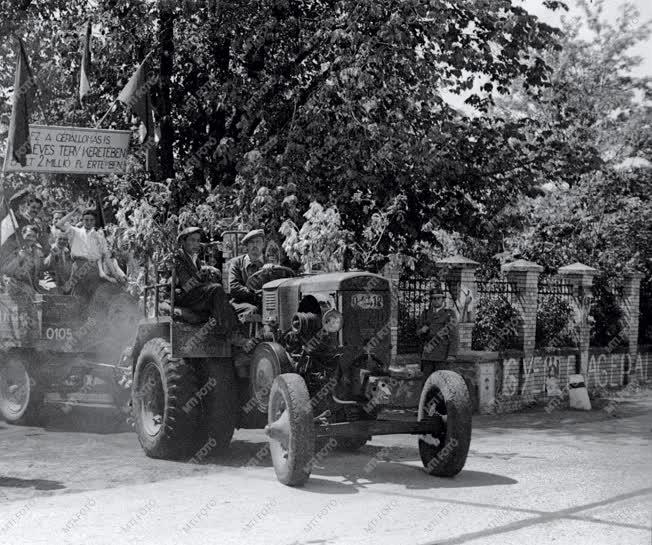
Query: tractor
[(61, 350), (319, 375)]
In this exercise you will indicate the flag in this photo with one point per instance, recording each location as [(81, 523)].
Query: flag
[(136, 95), (24, 87), (84, 85), (8, 222)]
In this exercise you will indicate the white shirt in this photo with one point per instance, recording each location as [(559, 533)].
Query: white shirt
[(90, 245)]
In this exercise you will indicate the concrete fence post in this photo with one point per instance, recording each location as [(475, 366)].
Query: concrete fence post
[(458, 273), (392, 271), (580, 276), (629, 304), (525, 275)]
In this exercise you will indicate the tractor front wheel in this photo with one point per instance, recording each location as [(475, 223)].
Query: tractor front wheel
[(291, 429), (445, 401)]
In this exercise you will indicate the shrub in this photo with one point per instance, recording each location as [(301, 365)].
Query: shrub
[(496, 325), (555, 322), (607, 315)]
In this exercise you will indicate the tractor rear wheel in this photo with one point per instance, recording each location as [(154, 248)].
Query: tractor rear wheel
[(445, 400), (166, 409), (291, 429), (219, 404), (20, 397), (267, 362)]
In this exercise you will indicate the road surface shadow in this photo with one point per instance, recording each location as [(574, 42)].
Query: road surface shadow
[(83, 419), (410, 476), (36, 484), (370, 465)]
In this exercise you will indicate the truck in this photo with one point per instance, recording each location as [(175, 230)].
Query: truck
[(64, 351)]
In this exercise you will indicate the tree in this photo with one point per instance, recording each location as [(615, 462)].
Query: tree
[(339, 99), (595, 209)]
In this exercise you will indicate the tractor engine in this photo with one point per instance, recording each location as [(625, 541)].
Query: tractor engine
[(333, 325)]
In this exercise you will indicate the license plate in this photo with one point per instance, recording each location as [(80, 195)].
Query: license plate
[(367, 300)]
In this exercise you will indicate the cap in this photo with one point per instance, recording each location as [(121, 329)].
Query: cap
[(252, 235), (435, 292), (188, 231), (19, 196)]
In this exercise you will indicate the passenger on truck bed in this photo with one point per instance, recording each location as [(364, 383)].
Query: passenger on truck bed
[(87, 248), (59, 262), (24, 264), (30, 212)]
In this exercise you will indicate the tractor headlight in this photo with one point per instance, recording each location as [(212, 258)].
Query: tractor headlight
[(332, 320)]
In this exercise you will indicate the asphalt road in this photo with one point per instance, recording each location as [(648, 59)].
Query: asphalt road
[(532, 478)]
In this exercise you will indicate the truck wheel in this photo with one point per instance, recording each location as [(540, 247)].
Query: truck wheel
[(166, 410), (445, 399), (20, 398), (220, 409), (291, 429)]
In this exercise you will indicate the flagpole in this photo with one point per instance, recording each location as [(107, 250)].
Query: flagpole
[(97, 125)]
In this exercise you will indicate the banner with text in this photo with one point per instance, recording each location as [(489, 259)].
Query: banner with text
[(74, 150)]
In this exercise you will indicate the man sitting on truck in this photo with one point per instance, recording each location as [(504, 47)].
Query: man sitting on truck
[(246, 301), (198, 286)]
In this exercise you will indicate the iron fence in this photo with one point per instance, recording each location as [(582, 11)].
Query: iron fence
[(497, 288), (412, 301), (555, 287)]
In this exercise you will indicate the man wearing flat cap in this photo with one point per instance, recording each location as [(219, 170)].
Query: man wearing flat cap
[(438, 330), (244, 300), (198, 286)]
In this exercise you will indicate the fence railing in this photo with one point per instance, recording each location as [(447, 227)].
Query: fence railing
[(554, 287), (412, 301), (496, 288)]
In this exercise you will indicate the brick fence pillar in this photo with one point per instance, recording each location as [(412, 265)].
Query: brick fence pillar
[(629, 304), (459, 275), (581, 278), (392, 271), (525, 275)]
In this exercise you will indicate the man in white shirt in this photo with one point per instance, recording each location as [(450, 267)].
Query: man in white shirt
[(87, 248)]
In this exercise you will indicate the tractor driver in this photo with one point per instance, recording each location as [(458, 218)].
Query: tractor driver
[(198, 286), (245, 301)]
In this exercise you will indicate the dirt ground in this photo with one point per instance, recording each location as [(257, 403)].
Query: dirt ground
[(531, 477)]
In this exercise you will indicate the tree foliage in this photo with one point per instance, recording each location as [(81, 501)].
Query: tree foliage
[(341, 100)]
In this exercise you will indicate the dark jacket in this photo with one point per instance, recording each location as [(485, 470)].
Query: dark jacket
[(189, 275), (442, 338), (25, 268), (238, 277)]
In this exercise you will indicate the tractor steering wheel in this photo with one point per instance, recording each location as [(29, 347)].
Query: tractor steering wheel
[(256, 281)]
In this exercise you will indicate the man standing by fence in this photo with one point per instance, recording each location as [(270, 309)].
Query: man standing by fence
[(438, 330)]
